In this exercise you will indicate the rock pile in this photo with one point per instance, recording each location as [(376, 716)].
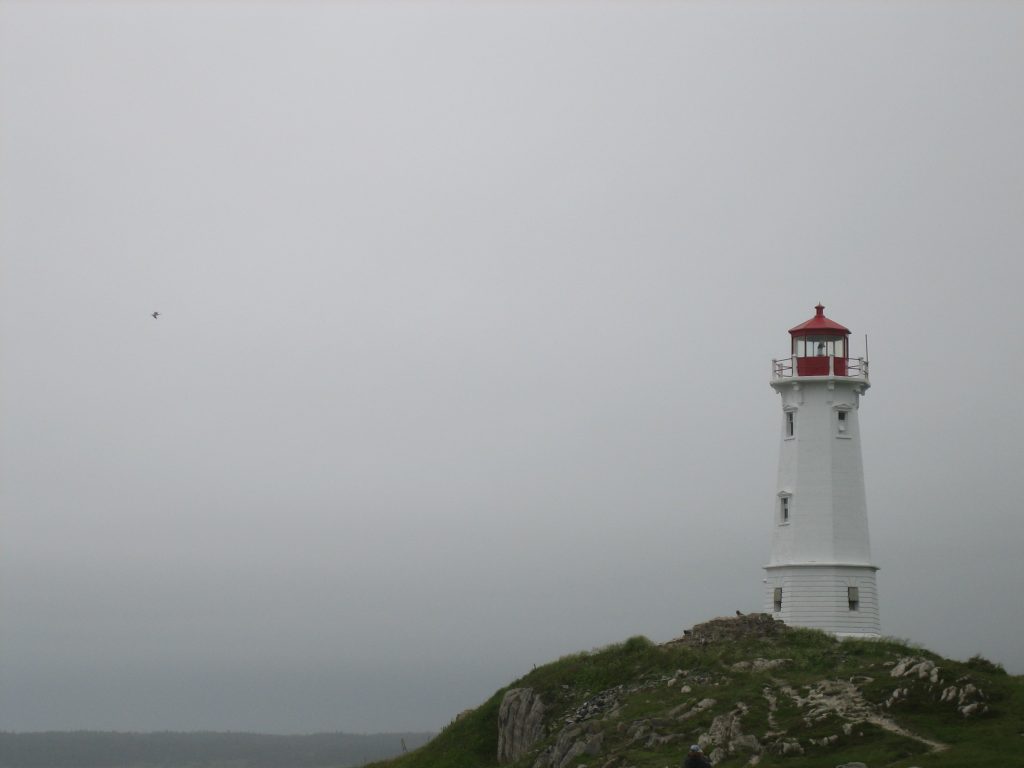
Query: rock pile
[(760, 625), (596, 705), (606, 701)]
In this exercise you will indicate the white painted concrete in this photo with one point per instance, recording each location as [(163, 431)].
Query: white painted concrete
[(820, 542)]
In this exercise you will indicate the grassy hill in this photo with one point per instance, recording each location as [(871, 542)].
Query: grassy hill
[(767, 696)]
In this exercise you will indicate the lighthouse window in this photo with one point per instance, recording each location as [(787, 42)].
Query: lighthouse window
[(842, 420), (777, 599), (784, 509), (790, 423), (853, 597)]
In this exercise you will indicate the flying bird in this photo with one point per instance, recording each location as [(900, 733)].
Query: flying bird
[(156, 315)]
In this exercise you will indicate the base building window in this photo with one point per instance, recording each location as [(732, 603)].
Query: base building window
[(853, 598)]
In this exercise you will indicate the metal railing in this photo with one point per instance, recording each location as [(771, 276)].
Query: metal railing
[(857, 366), (786, 367)]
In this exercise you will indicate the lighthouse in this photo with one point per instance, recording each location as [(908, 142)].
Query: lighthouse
[(820, 572)]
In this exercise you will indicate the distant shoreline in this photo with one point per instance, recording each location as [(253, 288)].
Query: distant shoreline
[(200, 749)]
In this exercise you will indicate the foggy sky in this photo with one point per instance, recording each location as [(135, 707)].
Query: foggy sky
[(468, 314)]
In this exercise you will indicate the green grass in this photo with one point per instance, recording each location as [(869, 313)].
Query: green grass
[(466, 743)]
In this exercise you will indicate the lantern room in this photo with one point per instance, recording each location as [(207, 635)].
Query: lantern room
[(820, 346)]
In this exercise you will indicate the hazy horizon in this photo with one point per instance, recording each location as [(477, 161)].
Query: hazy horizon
[(467, 316)]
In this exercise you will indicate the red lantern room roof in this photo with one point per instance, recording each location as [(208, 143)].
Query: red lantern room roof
[(819, 324)]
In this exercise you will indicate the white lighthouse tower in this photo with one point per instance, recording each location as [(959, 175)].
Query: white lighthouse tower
[(820, 573)]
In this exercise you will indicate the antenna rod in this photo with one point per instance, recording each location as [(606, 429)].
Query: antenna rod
[(866, 346)]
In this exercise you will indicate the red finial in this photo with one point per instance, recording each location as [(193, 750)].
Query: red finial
[(820, 309)]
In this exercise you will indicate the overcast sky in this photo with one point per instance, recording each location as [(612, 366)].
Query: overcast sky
[(467, 318)]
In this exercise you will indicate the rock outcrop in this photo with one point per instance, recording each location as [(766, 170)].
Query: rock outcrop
[(725, 737), (572, 742), (759, 665), (520, 723), (968, 699)]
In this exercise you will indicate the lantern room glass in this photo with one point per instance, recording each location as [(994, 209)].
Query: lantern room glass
[(819, 346)]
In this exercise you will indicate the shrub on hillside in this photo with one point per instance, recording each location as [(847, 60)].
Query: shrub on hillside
[(980, 663)]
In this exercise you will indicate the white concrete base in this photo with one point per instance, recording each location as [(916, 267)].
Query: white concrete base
[(817, 596)]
